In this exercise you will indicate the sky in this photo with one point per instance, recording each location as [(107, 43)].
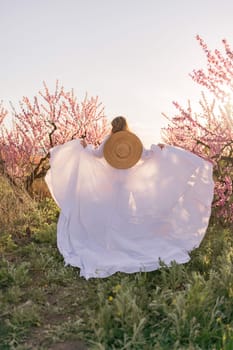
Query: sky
[(136, 55)]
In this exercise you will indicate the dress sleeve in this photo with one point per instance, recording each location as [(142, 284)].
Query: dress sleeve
[(148, 153), (97, 152)]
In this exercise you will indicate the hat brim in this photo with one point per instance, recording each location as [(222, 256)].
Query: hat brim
[(123, 150)]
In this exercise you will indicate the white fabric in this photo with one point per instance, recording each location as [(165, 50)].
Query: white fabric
[(127, 220)]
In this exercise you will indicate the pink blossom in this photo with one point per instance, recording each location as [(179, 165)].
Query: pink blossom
[(209, 133), (49, 119)]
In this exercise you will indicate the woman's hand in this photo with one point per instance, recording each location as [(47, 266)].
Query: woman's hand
[(83, 143), (161, 145)]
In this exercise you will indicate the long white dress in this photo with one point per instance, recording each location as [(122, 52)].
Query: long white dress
[(128, 220)]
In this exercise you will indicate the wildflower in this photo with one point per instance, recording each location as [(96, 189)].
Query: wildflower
[(116, 288), (110, 298)]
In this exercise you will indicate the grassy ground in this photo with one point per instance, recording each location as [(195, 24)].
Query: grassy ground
[(44, 305)]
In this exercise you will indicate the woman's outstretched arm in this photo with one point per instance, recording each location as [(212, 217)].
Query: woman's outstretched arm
[(97, 152)]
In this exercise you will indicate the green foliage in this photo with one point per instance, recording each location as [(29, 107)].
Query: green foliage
[(177, 307), (43, 302), (13, 274), (7, 242), (15, 326)]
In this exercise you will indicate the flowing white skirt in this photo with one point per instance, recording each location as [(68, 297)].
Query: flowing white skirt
[(128, 220)]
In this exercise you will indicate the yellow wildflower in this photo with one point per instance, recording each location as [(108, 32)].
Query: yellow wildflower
[(116, 288)]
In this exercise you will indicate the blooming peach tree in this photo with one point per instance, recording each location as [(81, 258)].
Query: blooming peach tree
[(51, 118), (3, 113), (209, 133)]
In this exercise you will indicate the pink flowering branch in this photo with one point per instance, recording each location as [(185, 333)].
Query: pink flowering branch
[(209, 133), (49, 119), (217, 78), (3, 114)]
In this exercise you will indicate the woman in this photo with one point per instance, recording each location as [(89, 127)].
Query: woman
[(124, 208), (118, 124)]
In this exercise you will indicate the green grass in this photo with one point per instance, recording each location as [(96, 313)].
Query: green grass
[(45, 305)]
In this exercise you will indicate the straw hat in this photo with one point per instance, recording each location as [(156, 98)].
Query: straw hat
[(123, 150)]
